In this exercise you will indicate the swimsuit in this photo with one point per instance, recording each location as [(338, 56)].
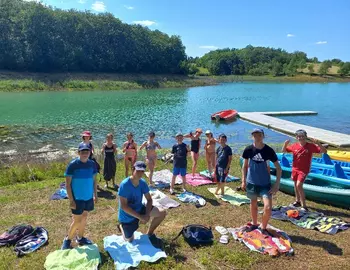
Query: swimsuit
[(151, 146), (132, 150), (195, 146)]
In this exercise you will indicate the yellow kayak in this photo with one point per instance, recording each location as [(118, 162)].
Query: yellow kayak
[(339, 155)]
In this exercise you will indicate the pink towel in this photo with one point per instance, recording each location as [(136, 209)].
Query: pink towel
[(198, 180)]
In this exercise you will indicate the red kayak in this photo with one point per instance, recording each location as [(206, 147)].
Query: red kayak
[(224, 115)]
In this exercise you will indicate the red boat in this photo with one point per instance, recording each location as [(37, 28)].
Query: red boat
[(224, 115)]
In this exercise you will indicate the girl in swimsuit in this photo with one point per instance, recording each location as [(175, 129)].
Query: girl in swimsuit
[(151, 145), (195, 146), (109, 149), (209, 148), (130, 150)]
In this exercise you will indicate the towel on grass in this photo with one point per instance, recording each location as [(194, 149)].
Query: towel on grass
[(231, 196), (275, 243), (160, 199), (80, 258), (197, 180), (189, 197), (60, 193), (162, 179), (229, 178), (311, 220), (127, 254)]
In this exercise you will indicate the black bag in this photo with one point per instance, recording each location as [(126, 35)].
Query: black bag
[(14, 234), (197, 235), (32, 242)]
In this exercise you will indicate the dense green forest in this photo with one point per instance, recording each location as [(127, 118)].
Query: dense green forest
[(37, 38), (34, 37)]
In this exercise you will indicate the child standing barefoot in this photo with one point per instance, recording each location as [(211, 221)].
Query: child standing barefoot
[(151, 146), (180, 151), (209, 148), (130, 150), (109, 149), (223, 162)]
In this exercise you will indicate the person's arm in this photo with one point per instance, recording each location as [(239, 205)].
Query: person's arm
[(143, 145), (95, 189), (135, 145), (285, 146), (149, 204), (69, 192), (320, 147), (158, 145), (276, 186), (189, 135), (124, 205), (124, 147), (188, 149), (228, 164), (244, 174), (92, 149), (114, 148), (103, 148)]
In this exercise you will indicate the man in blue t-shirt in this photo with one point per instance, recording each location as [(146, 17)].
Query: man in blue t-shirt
[(131, 209), (82, 194), (180, 151), (256, 177), (223, 162)]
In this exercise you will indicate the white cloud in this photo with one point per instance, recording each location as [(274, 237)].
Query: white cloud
[(145, 22), (99, 6), (321, 42), (128, 7), (290, 35), (82, 1), (208, 47)]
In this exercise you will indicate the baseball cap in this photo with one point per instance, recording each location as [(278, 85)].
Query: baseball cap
[(140, 166), (178, 134), (208, 132), (83, 146), (257, 130)]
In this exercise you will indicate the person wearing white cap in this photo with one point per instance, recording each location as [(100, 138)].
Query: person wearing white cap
[(209, 148), (131, 209)]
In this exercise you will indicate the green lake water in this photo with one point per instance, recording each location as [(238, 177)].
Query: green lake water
[(33, 120)]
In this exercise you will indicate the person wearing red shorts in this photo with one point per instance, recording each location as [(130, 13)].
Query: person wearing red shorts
[(302, 156)]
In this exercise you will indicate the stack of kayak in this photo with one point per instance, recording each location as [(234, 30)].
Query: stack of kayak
[(328, 180)]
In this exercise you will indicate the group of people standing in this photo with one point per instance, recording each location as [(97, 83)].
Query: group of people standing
[(82, 186)]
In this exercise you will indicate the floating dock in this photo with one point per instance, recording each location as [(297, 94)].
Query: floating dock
[(266, 119)]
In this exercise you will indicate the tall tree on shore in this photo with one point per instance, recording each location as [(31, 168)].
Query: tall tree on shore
[(325, 66)]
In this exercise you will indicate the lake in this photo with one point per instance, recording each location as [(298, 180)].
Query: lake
[(33, 120)]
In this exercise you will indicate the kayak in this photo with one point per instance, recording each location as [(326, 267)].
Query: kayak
[(332, 196), (323, 162), (224, 115), (334, 177), (339, 155)]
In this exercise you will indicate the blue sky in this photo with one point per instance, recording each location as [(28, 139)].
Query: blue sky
[(318, 27)]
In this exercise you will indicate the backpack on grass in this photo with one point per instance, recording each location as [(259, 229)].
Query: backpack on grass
[(196, 235), (14, 234), (32, 242)]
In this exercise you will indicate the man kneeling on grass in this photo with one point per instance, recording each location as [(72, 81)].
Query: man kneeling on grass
[(82, 193), (132, 211)]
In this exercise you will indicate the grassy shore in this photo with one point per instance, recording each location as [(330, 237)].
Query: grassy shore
[(26, 81), (29, 203)]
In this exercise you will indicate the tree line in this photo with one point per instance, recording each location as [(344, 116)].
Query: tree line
[(264, 61), (35, 37)]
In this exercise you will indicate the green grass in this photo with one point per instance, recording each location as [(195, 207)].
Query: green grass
[(28, 202)]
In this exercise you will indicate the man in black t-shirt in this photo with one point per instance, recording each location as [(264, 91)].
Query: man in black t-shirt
[(256, 177), (223, 162), (180, 151)]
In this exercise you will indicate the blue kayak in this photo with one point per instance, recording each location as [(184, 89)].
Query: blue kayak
[(333, 177), (324, 162)]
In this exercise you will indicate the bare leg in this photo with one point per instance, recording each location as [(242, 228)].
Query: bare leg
[(82, 225), (297, 195), (222, 186), (172, 182), (76, 219), (183, 182), (267, 212), (194, 162), (217, 189), (254, 210), (126, 163), (212, 158), (151, 166), (207, 157), (300, 190), (157, 216)]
